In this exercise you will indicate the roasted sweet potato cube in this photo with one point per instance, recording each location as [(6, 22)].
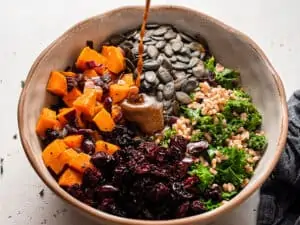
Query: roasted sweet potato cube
[(90, 73), (115, 59), (73, 141), (88, 55), (65, 115), (128, 79), (47, 120), (69, 178), (53, 151), (86, 102), (81, 162), (102, 146), (118, 92), (104, 121), (57, 84), (71, 96), (59, 163)]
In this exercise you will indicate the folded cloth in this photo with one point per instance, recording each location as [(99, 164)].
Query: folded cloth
[(280, 195)]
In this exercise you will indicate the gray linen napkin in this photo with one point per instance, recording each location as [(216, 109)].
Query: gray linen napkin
[(280, 195)]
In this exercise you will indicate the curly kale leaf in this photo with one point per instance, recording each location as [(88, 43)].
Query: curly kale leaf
[(210, 205), (168, 133), (192, 114), (257, 142), (232, 170), (228, 195), (254, 118), (205, 176), (227, 78), (241, 94)]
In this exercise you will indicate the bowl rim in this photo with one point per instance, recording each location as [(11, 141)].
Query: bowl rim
[(240, 198)]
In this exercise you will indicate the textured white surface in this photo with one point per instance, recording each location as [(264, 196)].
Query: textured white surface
[(27, 27)]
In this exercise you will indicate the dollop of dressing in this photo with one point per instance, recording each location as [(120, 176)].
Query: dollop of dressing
[(147, 113)]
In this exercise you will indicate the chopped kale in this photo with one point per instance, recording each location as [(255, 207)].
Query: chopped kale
[(241, 94), (210, 64), (192, 114), (228, 195), (205, 176), (232, 170), (168, 133), (257, 142), (210, 205), (227, 78)]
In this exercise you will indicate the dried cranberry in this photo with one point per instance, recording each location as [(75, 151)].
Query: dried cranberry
[(147, 214), (71, 83), (214, 193), (57, 106), (107, 104), (179, 190), (86, 132), (98, 81), (181, 169), (198, 207), (150, 148), (196, 148), (179, 142), (121, 175), (190, 182), (70, 116), (76, 191), (88, 146), (142, 169), (159, 192), (91, 64), (51, 135), (106, 190), (71, 130), (183, 210), (121, 136), (101, 159), (158, 172), (91, 177)]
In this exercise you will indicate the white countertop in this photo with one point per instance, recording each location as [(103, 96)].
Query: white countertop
[(29, 26)]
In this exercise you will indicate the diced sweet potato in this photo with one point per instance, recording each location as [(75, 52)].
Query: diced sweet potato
[(53, 151), (104, 121), (115, 59), (79, 121), (81, 162), (128, 79), (90, 73), (59, 163), (118, 92), (73, 141), (71, 96), (116, 112), (88, 55), (102, 146), (69, 74), (47, 120), (64, 114), (100, 70), (99, 92), (133, 90), (57, 84), (86, 103), (98, 107), (69, 178)]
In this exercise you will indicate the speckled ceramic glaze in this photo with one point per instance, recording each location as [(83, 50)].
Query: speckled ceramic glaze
[(231, 48)]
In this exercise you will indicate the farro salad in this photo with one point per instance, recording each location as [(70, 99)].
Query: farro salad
[(179, 140)]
